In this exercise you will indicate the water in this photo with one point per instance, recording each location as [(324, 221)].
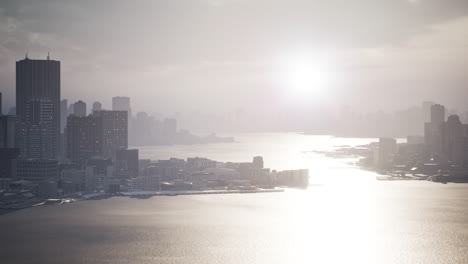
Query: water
[(349, 217)]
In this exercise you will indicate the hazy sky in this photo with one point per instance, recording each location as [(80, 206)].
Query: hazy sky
[(220, 55)]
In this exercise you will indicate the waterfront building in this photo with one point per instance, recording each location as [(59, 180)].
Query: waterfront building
[(433, 129), (79, 108), (453, 140), (39, 80), (383, 155), (36, 170)]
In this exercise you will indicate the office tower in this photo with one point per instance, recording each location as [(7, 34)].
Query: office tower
[(71, 109), (12, 111), (79, 108), (63, 114), (433, 129), (97, 106), (84, 138), (39, 80), (452, 139), (114, 131), (126, 163), (35, 131), (36, 170)]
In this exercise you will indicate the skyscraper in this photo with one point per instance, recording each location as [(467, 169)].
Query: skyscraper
[(35, 131), (39, 80), (121, 103), (452, 139), (79, 108), (433, 129)]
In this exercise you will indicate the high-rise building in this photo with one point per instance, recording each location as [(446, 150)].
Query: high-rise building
[(452, 139), (114, 131), (79, 108), (257, 162), (84, 138), (426, 111), (126, 163), (384, 153), (63, 114), (39, 80), (433, 129), (97, 106), (35, 132)]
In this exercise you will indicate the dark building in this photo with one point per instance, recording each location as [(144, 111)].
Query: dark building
[(35, 131), (126, 163), (84, 138), (36, 170), (114, 131), (7, 158), (8, 131), (39, 80), (257, 162)]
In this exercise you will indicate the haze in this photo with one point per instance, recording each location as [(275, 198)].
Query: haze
[(221, 56)]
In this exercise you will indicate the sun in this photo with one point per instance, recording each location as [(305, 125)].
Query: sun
[(306, 79)]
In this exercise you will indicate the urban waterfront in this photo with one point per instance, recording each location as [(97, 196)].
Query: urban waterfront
[(345, 216)]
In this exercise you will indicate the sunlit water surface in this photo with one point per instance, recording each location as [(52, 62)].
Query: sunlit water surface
[(346, 216)]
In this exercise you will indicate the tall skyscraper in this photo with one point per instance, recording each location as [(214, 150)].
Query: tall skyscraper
[(79, 108), (35, 131), (97, 106), (114, 131), (39, 80)]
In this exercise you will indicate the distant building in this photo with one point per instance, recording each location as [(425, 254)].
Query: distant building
[(39, 80), (63, 114), (121, 103), (415, 140), (384, 153), (169, 130), (258, 162), (79, 108), (97, 106), (452, 139), (433, 129), (7, 158), (36, 170)]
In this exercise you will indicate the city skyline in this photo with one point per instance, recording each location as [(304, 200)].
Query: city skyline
[(416, 52)]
